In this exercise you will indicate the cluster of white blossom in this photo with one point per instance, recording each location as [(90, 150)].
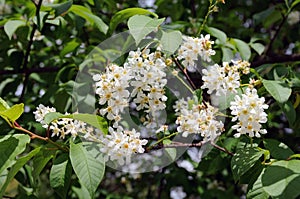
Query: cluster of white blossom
[(148, 82), (249, 111), (198, 119), (120, 144), (63, 126), (192, 48), (225, 78), (111, 87)]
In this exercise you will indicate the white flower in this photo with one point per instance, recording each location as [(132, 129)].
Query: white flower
[(199, 119), (293, 18), (62, 126), (121, 144), (177, 193), (41, 112), (248, 110), (225, 78), (192, 48)]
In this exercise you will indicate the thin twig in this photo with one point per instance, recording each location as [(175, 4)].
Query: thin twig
[(35, 136), (181, 68), (270, 44)]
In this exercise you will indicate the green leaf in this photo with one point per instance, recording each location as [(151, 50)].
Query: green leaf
[(294, 4), (61, 8), (13, 113), (278, 149), (125, 14), (170, 41), (282, 179), (11, 26), (220, 35), (243, 48), (40, 161), (16, 167), (10, 147), (3, 105), (91, 119), (279, 90), (50, 117), (243, 160), (90, 17), (227, 54), (70, 47), (140, 26), (258, 47), (199, 96), (88, 169), (60, 175), (290, 112), (257, 191)]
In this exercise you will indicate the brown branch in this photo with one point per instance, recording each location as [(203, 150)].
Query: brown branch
[(29, 71), (35, 136), (183, 70), (269, 46), (187, 145), (272, 59)]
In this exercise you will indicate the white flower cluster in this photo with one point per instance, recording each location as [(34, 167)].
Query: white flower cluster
[(192, 48), (249, 111), (149, 82), (120, 144), (112, 90), (225, 78), (143, 71), (199, 119), (63, 126)]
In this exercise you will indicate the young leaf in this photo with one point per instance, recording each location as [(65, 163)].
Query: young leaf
[(279, 90), (88, 169), (170, 41), (13, 113), (60, 175), (11, 26), (3, 105), (278, 149), (125, 14), (10, 147), (243, 160), (140, 26), (90, 17), (16, 167), (282, 178)]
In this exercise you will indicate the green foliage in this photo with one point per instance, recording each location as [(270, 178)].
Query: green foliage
[(91, 119), (43, 48), (126, 14), (279, 90), (243, 160), (88, 168), (281, 179), (140, 26), (60, 175), (170, 41)]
